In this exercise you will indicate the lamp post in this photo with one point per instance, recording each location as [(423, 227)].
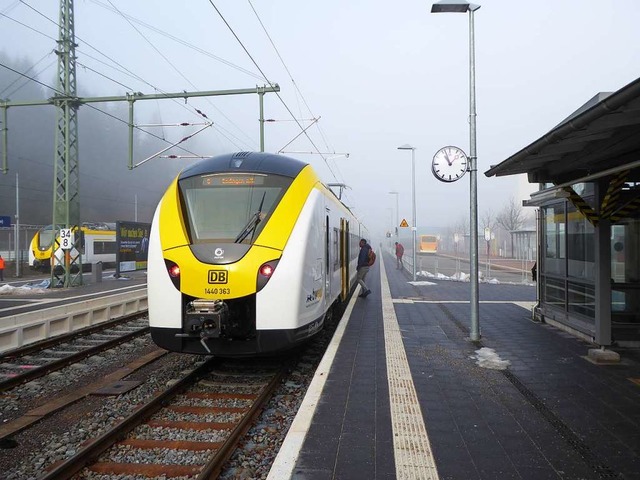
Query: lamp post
[(459, 6), (414, 226), (397, 220)]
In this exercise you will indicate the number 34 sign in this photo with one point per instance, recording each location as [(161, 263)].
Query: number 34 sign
[(66, 239)]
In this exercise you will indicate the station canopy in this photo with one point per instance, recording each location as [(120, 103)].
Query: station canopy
[(601, 138)]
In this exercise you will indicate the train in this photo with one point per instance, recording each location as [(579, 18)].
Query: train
[(97, 243), (428, 245), (249, 255)]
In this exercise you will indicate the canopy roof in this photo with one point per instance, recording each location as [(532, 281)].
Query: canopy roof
[(601, 136)]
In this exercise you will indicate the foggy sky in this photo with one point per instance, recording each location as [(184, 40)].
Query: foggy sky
[(379, 75)]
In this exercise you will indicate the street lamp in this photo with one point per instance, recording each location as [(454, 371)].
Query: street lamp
[(414, 225), (459, 6), (397, 220)]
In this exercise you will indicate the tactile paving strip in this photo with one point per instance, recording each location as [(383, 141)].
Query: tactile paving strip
[(411, 445)]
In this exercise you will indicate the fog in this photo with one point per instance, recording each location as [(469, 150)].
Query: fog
[(109, 190), (375, 74)]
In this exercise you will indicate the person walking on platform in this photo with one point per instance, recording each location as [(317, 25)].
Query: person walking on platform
[(363, 267), (399, 254), (1, 269)]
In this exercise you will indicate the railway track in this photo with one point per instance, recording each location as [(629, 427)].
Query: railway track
[(187, 431), (37, 360)]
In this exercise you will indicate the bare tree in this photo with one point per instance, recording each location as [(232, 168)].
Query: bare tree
[(462, 228), (462, 225), (488, 220), (511, 218)]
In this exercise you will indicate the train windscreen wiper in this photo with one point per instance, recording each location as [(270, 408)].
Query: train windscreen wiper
[(251, 225)]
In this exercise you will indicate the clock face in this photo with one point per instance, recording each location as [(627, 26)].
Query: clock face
[(449, 164)]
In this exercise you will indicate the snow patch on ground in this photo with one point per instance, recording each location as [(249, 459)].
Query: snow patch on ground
[(25, 289), (488, 358)]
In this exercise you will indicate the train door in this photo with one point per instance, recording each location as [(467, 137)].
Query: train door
[(327, 263), (344, 258)]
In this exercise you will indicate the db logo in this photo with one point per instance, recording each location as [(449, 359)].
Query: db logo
[(218, 276)]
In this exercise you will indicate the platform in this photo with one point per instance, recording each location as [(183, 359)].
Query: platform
[(401, 393), (30, 312)]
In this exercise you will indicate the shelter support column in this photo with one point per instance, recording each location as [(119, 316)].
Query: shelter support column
[(603, 282)]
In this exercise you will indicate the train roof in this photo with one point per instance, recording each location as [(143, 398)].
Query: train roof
[(254, 162)]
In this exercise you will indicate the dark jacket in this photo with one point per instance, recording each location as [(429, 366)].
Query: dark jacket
[(363, 256)]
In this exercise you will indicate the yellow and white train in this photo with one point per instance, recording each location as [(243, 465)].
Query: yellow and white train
[(249, 253), (97, 242)]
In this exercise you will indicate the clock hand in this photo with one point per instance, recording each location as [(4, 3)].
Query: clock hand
[(446, 157)]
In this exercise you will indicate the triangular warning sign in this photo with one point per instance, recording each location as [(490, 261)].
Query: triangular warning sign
[(404, 223)]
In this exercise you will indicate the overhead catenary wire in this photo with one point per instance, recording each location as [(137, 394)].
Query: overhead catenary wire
[(270, 83), (25, 80), (240, 143), (181, 41), (27, 26), (176, 69), (91, 106), (225, 134), (129, 20), (295, 85)]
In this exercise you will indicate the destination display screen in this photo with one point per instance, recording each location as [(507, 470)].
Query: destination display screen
[(232, 180)]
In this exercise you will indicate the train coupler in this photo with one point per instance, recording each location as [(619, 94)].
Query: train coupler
[(206, 318)]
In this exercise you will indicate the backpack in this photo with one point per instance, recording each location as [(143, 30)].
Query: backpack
[(372, 257)]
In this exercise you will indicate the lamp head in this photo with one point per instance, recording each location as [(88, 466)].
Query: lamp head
[(406, 146), (453, 6)]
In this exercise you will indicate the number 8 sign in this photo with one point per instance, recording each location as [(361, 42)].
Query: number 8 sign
[(66, 239)]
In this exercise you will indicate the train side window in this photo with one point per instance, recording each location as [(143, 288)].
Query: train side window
[(80, 241), (104, 247)]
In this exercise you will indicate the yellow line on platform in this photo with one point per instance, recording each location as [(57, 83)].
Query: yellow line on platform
[(412, 449)]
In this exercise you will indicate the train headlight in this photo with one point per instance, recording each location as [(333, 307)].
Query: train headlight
[(264, 274), (173, 269), (266, 270)]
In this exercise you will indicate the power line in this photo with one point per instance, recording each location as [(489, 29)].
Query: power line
[(26, 81), (129, 20), (133, 75), (295, 85), (104, 76), (27, 26), (181, 41), (97, 50), (270, 83), (93, 107), (137, 77), (153, 46)]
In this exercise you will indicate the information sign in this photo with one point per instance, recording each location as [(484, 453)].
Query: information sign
[(66, 239)]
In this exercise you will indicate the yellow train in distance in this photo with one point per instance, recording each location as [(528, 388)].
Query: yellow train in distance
[(97, 244), (428, 245), (249, 253)]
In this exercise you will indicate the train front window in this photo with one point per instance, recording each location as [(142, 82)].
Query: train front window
[(230, 207), (45, 237)]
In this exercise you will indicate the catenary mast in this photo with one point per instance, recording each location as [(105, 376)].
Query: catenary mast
[(66, 188)]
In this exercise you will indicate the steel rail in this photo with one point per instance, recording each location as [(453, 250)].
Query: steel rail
[(43, 370), (212, 469), (87, 455)]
